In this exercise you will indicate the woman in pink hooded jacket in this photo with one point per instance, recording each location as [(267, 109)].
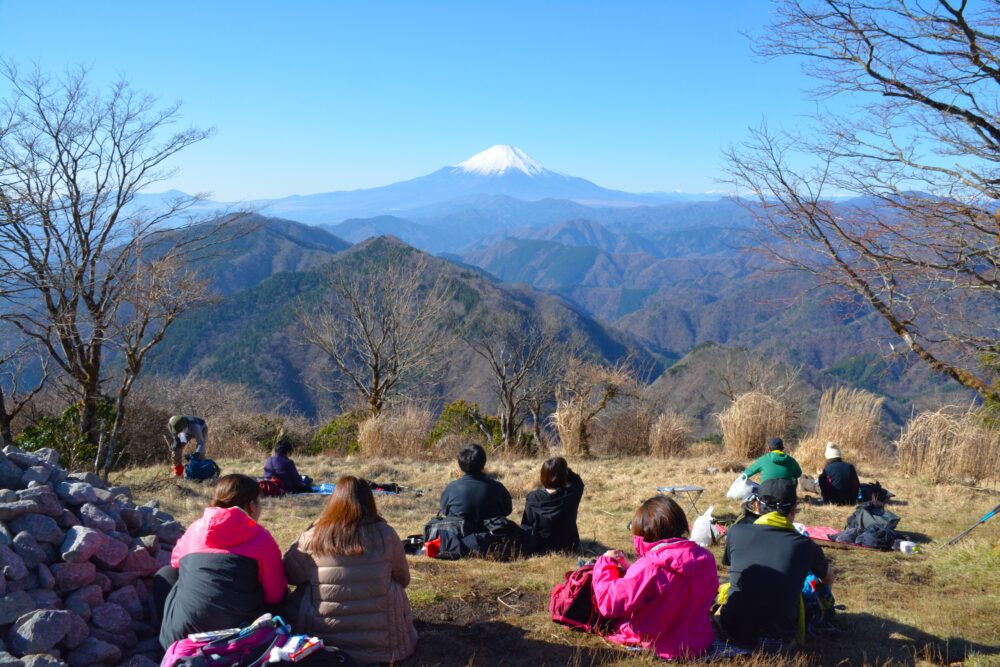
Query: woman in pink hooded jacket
[(664, 599)]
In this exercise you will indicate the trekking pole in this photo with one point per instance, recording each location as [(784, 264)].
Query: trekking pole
[(968, 530)]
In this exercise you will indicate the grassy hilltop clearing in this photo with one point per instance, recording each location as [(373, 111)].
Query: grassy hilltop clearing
[(939, 606)]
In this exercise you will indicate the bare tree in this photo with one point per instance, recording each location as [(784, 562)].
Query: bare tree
[(516, 349), (72, 161), (382, 324), (584, 392), (922, 147), (159, 292), (24, 373)]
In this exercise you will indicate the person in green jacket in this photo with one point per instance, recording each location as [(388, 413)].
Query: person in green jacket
[(776, 464)]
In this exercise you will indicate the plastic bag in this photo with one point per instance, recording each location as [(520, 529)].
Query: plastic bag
[(740, 489), (702, 532)]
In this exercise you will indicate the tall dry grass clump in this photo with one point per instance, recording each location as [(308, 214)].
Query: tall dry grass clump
[(623, 432), (749, 422), (396, 434), (942, 446), (670, 435), (850, 418), (568, 420)]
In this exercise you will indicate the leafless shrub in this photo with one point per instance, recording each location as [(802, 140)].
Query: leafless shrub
[(623, 432), (670, 435), (941, 446), (585, 391), (399, 433), (749, 422)]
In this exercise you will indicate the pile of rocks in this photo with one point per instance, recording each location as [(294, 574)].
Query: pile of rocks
[(76, 561)]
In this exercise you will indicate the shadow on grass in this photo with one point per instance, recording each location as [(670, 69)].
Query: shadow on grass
[(499, 643), (592, 548), (870, 639)]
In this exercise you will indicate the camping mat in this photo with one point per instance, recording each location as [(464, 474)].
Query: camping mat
[(326, 489), (823, 535)]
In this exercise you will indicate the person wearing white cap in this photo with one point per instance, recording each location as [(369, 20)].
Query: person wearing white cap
[(838, 481)]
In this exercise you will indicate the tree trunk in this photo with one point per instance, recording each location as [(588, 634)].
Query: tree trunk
[(104, 467), (90, 406), (536, 427), (6, 438)]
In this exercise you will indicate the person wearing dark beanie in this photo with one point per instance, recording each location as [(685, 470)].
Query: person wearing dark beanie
[(776, 464)]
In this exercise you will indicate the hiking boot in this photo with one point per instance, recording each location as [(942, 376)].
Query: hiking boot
[(178, 470)]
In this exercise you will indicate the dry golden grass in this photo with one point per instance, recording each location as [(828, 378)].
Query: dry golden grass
[(670, 435), (850, 418), (901, 610), (746, 425), (937, 446), (399, 433), (568, 420)]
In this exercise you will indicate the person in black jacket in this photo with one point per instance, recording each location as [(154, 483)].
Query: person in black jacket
[(838, 481), (474, 497), (550, 512)]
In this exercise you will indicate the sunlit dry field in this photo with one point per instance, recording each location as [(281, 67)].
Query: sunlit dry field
[(939, 606)]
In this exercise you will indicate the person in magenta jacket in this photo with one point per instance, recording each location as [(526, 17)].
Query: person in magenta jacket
[(225, 570), (664, 598)]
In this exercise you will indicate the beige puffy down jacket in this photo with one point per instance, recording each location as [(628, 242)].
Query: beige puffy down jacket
[(356, 603)]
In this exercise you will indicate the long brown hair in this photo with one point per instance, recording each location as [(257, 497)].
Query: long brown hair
[(659, 518), (337, 531), (235, 491)]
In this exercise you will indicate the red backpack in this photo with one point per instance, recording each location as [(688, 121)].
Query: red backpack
[(271, 488), (572, 603)]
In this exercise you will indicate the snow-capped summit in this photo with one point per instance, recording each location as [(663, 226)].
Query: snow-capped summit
[(500, 159)]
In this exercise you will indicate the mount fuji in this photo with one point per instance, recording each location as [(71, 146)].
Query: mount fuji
[(499, 170)]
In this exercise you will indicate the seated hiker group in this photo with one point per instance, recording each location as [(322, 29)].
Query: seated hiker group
[(349, 569)]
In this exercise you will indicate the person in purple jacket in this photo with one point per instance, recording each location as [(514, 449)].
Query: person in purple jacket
[(279, 466)]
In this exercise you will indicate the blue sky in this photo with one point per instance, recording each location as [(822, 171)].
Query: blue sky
[(319, 96)]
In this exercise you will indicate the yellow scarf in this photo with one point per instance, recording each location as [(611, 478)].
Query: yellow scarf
[(775, 520)]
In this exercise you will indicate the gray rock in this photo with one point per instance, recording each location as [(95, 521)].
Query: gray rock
[(5, 536), (42, 660), (170, 531), (110, 617), (44, 528), (81, 610), (122, 579), (8, 495), (102, 580), (10, 511), (7, 660), (38, 631), (93, 517), (45, 578), (71, 576), (149, 646), (90, 595), (140, 561), (12, 565), (110, 554), (23, 460), (163, 557), (14, 605), (122, 491), (81, 543), (152, 504), (78, 631), (76, 493), (48, 455), (3, 592), (57, 477), (45, 599), (39, 473), (48, 502), (103, 495), (140, 660), (93, 651), (67, 519), (132, 519), (10, 475), (128, 599), (149, 542), (163, 517), (121, 536), (26, 546), (88, 477)]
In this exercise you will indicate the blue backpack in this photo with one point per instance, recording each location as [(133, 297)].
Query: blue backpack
[(200, 468)]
